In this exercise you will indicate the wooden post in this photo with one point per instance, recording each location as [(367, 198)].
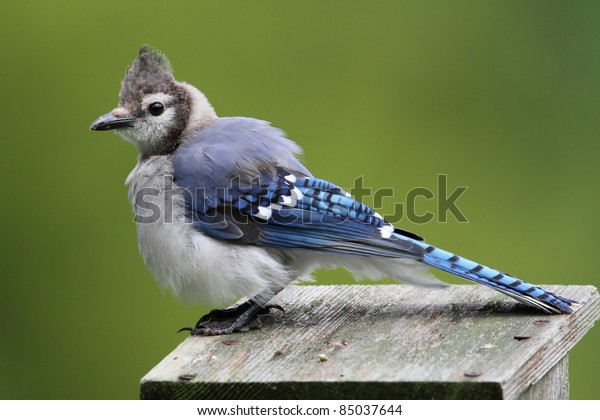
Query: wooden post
[(384, 342)]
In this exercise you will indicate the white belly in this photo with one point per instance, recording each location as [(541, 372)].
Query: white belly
[(194, 266)]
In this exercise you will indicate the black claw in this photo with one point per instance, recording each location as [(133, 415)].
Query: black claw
[(267, 308), (244, 317), (184, 329)]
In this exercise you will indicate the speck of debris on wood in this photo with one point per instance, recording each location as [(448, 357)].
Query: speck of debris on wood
[(435, 315), (337, 343), (187, 377), (231, 342), (472, 374), (323, 357), (541, 321), (522, 337), (281, 352)]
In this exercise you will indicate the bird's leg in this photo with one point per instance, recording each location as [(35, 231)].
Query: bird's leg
[(224, 314), (241, 318)]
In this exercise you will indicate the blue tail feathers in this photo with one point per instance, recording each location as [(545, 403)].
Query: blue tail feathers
[(518, 289)]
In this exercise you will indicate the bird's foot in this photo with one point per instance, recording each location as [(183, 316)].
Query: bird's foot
[(244, 317)]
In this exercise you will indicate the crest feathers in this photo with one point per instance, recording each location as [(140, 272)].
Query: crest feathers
[(150, 72)]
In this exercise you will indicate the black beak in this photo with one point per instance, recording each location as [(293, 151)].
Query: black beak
[(110, 122)]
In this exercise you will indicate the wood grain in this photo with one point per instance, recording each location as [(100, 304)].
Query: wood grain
[(384, 342)]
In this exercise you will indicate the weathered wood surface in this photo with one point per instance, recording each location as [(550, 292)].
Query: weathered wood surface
[(384, 342), (553, 386)]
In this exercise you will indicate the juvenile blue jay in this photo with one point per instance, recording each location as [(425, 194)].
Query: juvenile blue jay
[(224, 209)]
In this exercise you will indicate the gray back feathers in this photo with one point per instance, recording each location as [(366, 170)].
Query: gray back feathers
[(234, 147)]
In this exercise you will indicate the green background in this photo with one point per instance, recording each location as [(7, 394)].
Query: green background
[(503, 97)]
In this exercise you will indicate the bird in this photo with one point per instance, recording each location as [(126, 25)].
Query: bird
[(225, 209)]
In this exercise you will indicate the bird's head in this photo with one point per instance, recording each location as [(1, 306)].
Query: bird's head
[(155, 111)]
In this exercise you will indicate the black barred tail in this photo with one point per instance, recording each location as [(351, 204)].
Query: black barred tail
[(518, 289)]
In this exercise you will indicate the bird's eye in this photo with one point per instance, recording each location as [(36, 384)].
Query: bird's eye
[(156, 108)]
